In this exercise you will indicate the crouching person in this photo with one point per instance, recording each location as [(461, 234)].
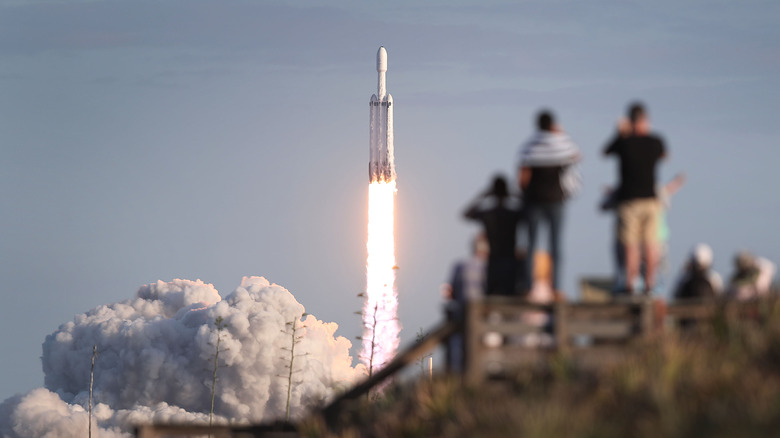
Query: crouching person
[(698, 279), (752, 277)]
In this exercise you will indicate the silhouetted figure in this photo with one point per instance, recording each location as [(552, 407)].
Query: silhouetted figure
[(698, 280), (665, 193), (499, 216), (466, 284), (638, 152), (544, 177), (752, 277)]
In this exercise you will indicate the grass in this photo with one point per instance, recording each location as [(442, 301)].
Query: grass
[(721, 381)]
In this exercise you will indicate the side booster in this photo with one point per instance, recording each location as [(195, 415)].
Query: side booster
[(380, 165)]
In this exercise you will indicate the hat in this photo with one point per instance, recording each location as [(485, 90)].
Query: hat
[(702, 255)]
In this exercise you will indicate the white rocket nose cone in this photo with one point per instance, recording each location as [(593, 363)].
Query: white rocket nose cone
[(381, 59)]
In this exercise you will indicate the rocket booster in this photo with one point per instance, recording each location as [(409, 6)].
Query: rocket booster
[(381, 166)]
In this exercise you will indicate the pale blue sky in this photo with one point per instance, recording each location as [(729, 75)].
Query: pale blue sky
[(146, 140)]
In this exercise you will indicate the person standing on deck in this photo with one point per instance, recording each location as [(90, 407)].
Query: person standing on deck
[(543, 170), (499, 215), (638, 152)]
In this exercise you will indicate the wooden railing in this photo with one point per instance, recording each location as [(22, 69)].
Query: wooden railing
[(696, 311), (437, 336), (502, 333), (278, 430)]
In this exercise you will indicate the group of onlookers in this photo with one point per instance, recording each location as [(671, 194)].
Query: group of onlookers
[(547, 176), (752, 277)]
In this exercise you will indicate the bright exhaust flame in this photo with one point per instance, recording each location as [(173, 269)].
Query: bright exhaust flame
[(380, 311)]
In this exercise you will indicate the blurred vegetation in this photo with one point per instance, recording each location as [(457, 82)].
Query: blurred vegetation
[(721, 379)]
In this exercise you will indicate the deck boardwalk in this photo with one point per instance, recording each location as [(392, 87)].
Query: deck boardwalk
[(499, 336)]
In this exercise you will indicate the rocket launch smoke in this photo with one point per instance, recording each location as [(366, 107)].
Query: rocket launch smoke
[(380, 311), (155, 354)]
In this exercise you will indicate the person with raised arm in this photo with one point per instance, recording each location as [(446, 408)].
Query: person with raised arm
[(638, 151)]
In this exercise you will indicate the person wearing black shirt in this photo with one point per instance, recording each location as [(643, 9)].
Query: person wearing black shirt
[(499, 219), (638, 152)]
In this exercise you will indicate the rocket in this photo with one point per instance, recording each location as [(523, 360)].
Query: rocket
[(381, 166)]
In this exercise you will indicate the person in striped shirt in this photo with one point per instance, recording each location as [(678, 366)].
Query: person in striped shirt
[(544, 164)]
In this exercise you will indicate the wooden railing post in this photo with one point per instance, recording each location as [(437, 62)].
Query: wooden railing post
[(561, 326), (473, 331), (647, 317)]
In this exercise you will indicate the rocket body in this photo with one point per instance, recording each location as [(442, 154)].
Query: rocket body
[(381, 166)]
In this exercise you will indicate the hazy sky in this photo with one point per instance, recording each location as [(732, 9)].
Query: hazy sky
[(146, 140)]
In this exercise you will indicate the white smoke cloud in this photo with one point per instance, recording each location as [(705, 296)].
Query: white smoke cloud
[(156, 357)]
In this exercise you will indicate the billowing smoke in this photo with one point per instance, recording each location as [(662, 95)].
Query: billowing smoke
[(156, 359)]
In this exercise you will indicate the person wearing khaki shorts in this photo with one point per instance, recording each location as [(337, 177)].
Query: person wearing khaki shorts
[(638, 221), (638, 152), (638, 230)]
